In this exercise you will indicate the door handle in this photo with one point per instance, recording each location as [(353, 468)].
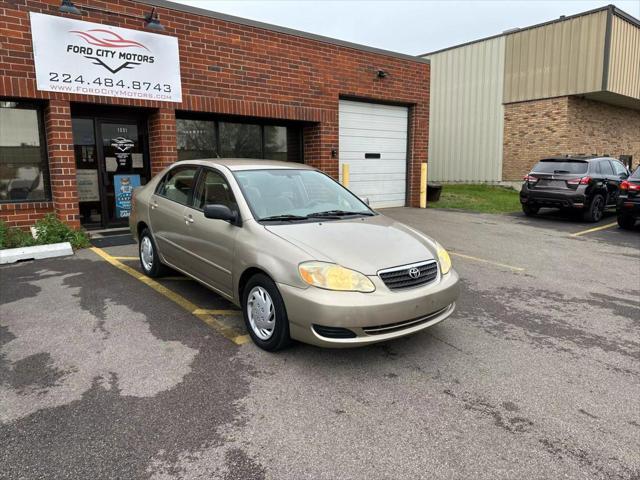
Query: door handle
[(188, 219), (154, 205)]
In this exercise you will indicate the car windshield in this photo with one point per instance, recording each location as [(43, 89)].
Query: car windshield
[(560, 166), (291, 195)]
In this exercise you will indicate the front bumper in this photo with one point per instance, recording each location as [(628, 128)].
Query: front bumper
[(399, 313), (553, 198)]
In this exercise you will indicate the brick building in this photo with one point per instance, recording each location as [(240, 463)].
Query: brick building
[(568, 86), (94, 91)]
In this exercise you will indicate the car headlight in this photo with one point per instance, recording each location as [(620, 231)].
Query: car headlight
[(334, 277), (444, 259)]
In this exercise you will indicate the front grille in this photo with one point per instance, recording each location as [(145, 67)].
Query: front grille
[(333, 332), (394, 327), (400, 277)]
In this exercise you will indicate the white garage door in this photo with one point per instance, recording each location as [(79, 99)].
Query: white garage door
[(373, 141)]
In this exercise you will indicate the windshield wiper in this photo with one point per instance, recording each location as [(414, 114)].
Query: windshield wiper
[(561, 171), (285, 218), (339, 213)]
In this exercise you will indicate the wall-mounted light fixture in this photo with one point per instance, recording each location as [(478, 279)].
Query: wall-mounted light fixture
[(151, 20), (381, 74), (67, 6)]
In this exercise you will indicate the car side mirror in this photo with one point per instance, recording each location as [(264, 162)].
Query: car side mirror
[(624, 175), (220, 212)]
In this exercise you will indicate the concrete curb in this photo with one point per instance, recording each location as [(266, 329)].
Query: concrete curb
[(12, 255)]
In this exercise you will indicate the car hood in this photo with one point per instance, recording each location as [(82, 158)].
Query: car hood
[(365, 244)]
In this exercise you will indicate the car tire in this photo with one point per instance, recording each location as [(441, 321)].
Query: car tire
[(265, 315), (148, 255), (530, 211), (595, 210), (626, 221)]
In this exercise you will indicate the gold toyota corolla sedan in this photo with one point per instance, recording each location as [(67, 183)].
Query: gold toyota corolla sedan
[(302, 256)]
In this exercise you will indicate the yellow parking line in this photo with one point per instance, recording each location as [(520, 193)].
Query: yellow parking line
[(596, 229), (126, 258), (215, 312), (482, 260), (192, 308)]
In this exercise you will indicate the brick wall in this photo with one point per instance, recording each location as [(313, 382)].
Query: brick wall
[(24, 214), (596, 127), (229, 68), (62, 164), (533, 130)]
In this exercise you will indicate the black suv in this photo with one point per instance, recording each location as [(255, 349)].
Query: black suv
[(587, 184), (629, 201)]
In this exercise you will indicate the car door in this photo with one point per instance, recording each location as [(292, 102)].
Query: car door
[(607, 179), (620, 173), (167, 211), (210, 242)]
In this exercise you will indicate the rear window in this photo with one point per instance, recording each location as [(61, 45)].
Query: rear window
[(561, 166)]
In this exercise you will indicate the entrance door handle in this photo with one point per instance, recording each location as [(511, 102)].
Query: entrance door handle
[(154, 205), (188, 219)]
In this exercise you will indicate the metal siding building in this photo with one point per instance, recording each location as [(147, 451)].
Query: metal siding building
[(465, 134), (563, 58), (592, 56), (624, 59)]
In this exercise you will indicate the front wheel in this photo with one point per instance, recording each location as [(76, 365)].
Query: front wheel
[(626, 221), (149, 259), (264, 313), (595, 210)]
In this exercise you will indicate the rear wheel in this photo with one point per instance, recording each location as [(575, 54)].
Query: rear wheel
[(264, 313), (530, 210), (149, 259), (626, 221), (595, 210)]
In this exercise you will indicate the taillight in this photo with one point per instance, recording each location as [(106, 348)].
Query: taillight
[(579, 181), (625, 185), (530, 179)]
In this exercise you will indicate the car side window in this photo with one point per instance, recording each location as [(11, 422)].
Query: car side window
[(596, 167), (178, 184), (605, 167), (618, 167), (213, 189)]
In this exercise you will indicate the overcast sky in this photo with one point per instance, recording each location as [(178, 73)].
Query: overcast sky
[(412, 27)]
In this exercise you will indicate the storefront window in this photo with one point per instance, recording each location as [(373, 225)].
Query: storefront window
[(275, 142), (212, 138), (23, 162), (196, 139), (240, 140)]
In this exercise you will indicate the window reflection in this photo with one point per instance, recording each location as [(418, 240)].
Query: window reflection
[(23, 165), (196, 139), (240, 140)]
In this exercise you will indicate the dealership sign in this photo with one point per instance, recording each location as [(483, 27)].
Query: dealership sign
[(87, 58)]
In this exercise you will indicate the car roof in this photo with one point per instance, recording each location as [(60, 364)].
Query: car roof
[(576, 158), (237, 164)]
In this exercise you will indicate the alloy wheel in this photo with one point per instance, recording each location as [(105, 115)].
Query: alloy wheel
[(598, 208)]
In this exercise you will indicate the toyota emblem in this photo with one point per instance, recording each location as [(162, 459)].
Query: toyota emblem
[(414, 272)]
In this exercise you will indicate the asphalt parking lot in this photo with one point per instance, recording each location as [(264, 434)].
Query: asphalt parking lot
[(537, 375)]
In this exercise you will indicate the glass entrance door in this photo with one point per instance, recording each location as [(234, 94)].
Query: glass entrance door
[(122, 150), (111, 160)]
